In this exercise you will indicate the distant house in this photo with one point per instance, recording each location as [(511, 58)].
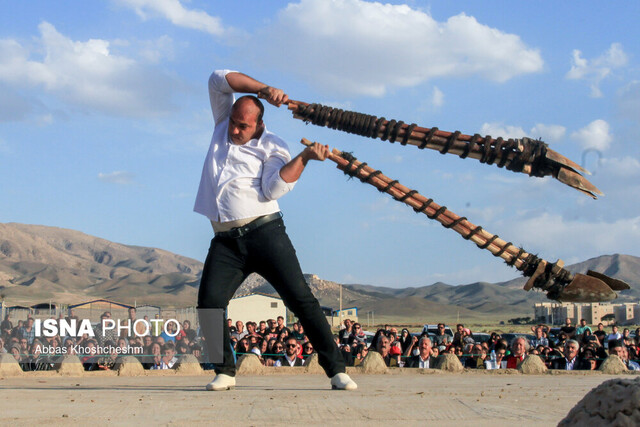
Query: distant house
[(346, 313), (256, 307)]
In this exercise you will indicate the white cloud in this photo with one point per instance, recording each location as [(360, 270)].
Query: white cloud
[(367, 48), (177, 14), (626, 166), (596, 70), (437, 99), (85, 75), (594, 136), (548, 133), (496, 130), (117, 177), (559, 237)]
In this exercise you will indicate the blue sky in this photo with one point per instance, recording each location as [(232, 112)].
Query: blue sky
[(105, 122)]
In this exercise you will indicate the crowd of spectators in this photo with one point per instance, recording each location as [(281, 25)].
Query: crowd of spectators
[(157, 349), (569, 348), (275, 344)]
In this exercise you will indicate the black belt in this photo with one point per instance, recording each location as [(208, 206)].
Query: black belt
[(236, 232)]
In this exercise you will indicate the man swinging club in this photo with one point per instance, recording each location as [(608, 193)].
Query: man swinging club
[(246, 170)]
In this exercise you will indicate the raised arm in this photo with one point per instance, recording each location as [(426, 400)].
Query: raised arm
[(242, 83)]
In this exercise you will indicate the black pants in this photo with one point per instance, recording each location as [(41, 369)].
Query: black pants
[(267, 251)]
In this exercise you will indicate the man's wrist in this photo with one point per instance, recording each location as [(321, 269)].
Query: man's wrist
[(264, 92)]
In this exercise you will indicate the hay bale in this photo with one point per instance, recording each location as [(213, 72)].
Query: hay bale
[(188, 365), (373, 363), (532, 364), (249, 364), (613, 365), (9, 367), (69, 365), (449, 362), (128, 366), (312, 366), (614, 402)]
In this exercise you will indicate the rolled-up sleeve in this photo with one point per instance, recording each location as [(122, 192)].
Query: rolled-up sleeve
[(273, 186)]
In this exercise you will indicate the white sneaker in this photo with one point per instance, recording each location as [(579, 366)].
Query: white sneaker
[(222, 382), (343, 381)]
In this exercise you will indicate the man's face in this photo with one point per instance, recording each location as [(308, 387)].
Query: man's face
[(250, 327), (383, 345), (292, 347), (239, 326), (615, 329), (168, 354), (441, 329), (571, 350), (425, 347), (460, 328), (539, 332), (30, 322), (518, 347), (132, 313), (567, 322), (243, 125), (263, 326), (583, 322), (280, 321), (600, 326)]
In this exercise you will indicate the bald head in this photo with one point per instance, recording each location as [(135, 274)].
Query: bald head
[(245, 121), (252, 105)]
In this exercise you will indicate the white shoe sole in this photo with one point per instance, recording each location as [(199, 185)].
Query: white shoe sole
[(220, 389)]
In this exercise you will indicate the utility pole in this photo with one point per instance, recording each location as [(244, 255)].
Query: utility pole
[(341, 315)]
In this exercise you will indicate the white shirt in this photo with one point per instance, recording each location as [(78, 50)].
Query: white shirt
[(290, 361), (424, 363), (239, 181), (570, 366), (615, 336)]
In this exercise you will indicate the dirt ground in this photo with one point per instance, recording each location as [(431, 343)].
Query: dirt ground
[(425, 398)]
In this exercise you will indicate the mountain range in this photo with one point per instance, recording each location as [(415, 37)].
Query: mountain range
[(41, 264)]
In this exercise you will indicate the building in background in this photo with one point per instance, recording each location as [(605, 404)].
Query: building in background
[(554, 313), (256, 307), (346, 313)]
